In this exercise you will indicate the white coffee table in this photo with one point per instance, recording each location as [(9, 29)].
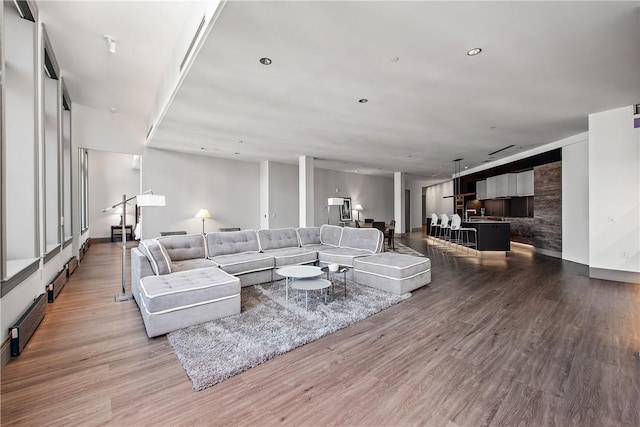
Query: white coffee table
[(298, 272), (311, 285)]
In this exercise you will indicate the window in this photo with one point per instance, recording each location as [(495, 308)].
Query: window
[(67, 231), (20, 192), (51, 119), (83, 160)]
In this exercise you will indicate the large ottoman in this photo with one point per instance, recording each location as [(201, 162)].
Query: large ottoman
[(391, 272), (174, 301)]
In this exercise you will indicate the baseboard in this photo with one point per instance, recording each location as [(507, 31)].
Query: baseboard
[(5, 352), (614, 275), (105, 240), (548, 252)]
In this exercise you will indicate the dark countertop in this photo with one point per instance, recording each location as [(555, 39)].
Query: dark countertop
[(487, 221)]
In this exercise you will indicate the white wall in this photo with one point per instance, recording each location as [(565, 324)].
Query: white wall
[(415, 185), (283, 195), (230, 189), (102, 130), (614, 191), (435, 203), (374, 193), (110, 176), (575, 202)]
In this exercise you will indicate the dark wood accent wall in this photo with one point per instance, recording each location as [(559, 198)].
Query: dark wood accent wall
[(547, 213)]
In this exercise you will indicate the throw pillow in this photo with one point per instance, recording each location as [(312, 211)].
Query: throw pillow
[(158, 257)]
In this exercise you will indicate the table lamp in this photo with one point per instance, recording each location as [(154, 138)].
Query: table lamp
[(203, 213), (119, 212), (358, 208)]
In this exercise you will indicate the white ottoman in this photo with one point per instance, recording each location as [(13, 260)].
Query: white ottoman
[(174, 301), (391, 272)]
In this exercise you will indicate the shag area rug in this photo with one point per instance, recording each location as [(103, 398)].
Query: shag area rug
[(269, 326)]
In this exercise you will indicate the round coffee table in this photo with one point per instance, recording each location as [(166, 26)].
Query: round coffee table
[(311, 285), (343, 269), (298, 272)]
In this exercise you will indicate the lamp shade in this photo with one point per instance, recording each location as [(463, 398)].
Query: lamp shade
[(150, 200), (203, 213), (358, 207), (335, 201)]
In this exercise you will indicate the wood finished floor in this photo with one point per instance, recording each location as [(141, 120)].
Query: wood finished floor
[(523, 340)]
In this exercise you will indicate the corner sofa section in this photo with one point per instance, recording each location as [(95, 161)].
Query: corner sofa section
[(160, 267)]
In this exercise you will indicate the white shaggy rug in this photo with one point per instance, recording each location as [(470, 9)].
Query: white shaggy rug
[(268, 326)]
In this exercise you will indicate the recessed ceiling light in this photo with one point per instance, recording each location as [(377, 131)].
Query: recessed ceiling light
[(394, 59), (113, 109), (203, 148), (265, 61), (493, 127), (408, 155), (466, 167), (356, 171), (363, 100), (241, 142), (236, 153), (475, 51)]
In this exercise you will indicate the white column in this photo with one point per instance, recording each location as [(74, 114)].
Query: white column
[(264, 195), (398, 201), (306, 170), (614, 196)]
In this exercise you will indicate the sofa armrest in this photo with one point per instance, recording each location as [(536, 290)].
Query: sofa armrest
[(140, 267)]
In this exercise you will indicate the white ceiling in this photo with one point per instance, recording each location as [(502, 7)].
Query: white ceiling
[(145, 33), (544, 67)]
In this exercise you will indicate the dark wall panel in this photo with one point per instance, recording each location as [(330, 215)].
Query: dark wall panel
[(548, 206)]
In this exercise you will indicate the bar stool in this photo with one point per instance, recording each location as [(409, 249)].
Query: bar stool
[(454, 230), (434, 229), (444, 227), (466, 242)]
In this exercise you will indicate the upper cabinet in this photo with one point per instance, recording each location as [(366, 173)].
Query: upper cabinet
[(502, 186), (506, 185), (481, 190), (525, 183)]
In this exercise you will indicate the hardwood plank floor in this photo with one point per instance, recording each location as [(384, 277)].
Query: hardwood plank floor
[(518, 340)]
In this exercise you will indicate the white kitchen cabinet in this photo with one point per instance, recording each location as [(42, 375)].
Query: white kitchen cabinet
[(481, 190), (502, 186), (525, 183)]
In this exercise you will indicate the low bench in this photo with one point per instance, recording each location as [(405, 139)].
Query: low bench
[(392, 272), (174, 301)]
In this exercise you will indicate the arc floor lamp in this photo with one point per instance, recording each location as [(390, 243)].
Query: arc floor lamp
[(146, 199)]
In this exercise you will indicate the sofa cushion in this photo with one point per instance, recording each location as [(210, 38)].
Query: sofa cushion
[(155, 252), (342, 256), (232, 242), (182, 247), (186, 288), (330, 234), (309, 235), (191, 264), (393, 265), (293, 256), (370, 239), (277, 239), (244, 262), (392, 272)]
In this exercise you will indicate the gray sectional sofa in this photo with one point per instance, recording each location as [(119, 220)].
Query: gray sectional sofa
[(176, 280)]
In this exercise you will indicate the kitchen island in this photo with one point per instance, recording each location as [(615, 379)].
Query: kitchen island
[(491, 235)]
